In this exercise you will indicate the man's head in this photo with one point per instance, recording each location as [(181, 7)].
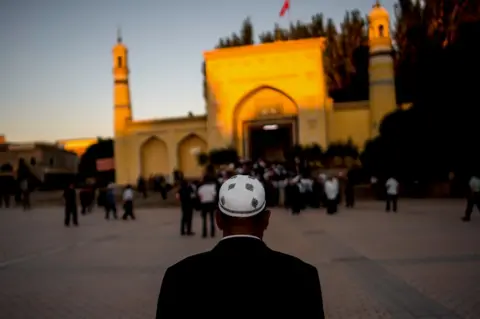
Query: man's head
[(242, 207)]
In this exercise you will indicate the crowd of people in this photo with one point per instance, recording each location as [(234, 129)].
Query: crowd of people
[(295, 187), (106, 198)]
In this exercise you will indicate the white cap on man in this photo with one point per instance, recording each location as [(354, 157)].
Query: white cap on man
[(241, 196)]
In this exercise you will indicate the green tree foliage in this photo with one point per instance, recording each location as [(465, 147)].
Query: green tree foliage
[(247, 33)]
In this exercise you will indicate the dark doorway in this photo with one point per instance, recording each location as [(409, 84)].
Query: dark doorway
[(270, 141)]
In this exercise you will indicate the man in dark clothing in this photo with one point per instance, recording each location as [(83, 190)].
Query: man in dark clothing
[(7, 187), (142, 186), (70, 197), (241, 275), (110, 202), (349, 194), (85, 198), (25, 187), (186, 196), (295, 196)]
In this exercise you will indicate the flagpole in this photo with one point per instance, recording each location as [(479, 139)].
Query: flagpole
[(285, 13), (289, 18)]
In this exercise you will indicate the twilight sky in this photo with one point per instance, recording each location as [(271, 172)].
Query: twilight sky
[(55, 57)]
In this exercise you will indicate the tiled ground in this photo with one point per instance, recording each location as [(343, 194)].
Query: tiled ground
[(420, 263)]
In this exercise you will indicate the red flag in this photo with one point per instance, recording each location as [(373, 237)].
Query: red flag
[(285, 7)]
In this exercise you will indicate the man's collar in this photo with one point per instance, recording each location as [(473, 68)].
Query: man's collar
[(240, 236)]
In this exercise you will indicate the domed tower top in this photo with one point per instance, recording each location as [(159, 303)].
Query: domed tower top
[(120, 56), (378, 12), (379, 27)]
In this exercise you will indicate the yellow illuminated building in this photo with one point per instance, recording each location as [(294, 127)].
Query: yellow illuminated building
[(275, 90)]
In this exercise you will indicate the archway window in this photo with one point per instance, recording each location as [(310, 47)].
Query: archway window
[(119, 62), (381, 30)]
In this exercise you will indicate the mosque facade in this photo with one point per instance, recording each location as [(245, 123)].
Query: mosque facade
[(275, 88)]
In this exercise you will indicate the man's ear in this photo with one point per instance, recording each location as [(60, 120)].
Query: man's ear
[(219, 219)]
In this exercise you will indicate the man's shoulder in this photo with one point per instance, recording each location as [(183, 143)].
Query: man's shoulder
[(292, 262), (191, 263)]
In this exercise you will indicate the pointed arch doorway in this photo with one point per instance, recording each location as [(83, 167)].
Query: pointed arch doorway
[(265, 124)]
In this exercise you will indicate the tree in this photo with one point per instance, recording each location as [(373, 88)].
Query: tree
[(247, 32), (313, 152), (223, 156), (6, 168), (317, 26), (203, 159), (88, 161), (266, 37)]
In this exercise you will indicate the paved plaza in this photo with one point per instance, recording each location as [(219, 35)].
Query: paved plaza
[(420, 263)]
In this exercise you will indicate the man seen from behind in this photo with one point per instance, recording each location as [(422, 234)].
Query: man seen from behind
[(241, 277)]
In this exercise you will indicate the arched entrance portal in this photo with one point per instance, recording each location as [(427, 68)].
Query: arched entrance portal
[(154, 158), (188, 149), (265, 124)]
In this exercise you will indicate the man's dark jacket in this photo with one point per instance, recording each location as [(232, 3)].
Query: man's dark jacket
[(240, 278)]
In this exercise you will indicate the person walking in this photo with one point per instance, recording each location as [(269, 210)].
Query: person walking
[(473, 197), (70, 201), (186, 196), (331, 188), (207, 194), (392, 194), (296, 203), (110, 203), (241, 274), (25, 189), (350, 191), (128, 203)]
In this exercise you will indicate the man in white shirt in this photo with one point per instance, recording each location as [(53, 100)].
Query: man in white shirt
[(127, 197), (331, 193), (392, 194), (207, 195), (473, 197)]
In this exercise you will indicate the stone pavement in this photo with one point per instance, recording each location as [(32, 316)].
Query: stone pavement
[(420, 263)]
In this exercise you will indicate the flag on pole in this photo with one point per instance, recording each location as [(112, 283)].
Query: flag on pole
[(285, 8)]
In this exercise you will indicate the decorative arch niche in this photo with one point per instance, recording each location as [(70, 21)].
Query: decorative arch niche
[(188, 149), (154, 157)]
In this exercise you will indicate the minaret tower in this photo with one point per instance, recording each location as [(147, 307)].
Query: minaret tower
[(122, 112), (121, 90), (381, 68)]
